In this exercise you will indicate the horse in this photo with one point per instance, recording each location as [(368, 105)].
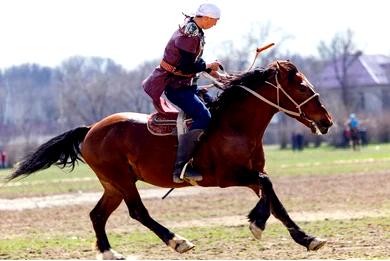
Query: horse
[(355, 138), (121, 151)]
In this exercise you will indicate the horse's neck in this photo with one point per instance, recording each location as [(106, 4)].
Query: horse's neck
[(250, 119)]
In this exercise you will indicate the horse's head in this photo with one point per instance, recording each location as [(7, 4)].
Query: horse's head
[(296, 96)]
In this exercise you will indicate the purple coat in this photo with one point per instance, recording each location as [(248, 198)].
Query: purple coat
[(188, 37)]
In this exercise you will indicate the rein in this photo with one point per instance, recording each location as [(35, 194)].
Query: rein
[(279, 88), (219, 85)]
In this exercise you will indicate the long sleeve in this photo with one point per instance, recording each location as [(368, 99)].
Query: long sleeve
[(187, 63)]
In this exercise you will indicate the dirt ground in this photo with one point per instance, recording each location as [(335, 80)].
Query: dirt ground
[(343, 199)]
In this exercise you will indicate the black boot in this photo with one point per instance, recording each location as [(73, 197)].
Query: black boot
[(186, 147)]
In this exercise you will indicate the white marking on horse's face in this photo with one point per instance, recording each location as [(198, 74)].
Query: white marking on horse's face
[(305, 82)]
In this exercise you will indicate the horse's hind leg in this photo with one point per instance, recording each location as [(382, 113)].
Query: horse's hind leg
[(138, 211), (99, 215), (278, 210)]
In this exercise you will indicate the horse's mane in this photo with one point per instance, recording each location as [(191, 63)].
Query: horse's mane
[(252, 79), (233, 93)]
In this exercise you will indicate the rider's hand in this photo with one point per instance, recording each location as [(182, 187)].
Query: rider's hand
[(220, 76), (214, 66), (215, 74)]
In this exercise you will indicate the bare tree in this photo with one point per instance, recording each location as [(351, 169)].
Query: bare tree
[(239, 57), (136, 98), (88, 87), (341, 53)]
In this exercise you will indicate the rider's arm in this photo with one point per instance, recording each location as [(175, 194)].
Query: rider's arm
[(187, 63)]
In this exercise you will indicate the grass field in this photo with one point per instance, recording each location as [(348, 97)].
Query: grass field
[(220, 242), (340, 195), (311, 161)]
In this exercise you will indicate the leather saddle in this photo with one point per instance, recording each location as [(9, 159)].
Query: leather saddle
[(169, 123)]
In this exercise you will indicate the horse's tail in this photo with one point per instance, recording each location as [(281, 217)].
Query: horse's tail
[(63, 151)]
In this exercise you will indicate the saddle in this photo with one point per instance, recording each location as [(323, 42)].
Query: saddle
[(169, 123)]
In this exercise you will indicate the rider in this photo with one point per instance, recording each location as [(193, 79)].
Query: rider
[(353, 124), (353, 121), (176, 77)]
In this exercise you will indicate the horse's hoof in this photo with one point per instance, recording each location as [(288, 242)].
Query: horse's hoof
[(256, 231), (316, 244), (110, 255), (180, 244)]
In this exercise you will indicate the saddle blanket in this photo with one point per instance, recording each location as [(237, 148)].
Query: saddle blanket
[(167, 124)]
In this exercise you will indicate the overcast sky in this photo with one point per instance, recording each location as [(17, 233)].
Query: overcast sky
[(130, 31)]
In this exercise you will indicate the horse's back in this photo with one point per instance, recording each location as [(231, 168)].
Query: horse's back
[(123, 139), (111, 120), (106, 135)]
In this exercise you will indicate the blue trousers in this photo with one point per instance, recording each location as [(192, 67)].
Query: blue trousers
[(187, 100)]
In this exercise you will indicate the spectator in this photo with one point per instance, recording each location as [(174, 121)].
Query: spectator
[(300, 140), (297, 141), (353, 124), (346, 138), (363, 136), (3, 159)]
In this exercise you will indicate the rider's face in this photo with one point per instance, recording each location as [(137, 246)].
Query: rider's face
[(209, 22)]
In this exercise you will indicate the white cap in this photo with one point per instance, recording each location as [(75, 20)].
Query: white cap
[(209, 10)]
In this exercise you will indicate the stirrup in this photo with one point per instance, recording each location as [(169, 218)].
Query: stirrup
[(177, 179), (187, 173), (178, 176), (192, 175)]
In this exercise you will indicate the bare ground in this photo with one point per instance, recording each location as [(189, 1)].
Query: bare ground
[(343, 197)]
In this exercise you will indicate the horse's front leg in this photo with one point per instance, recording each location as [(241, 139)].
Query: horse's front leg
[(260, 214), (270, 202)]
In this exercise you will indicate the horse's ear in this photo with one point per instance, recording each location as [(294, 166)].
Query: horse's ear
[(278, 64), (267, 73)]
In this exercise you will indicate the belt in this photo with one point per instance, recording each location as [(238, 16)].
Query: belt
[(172, 69)]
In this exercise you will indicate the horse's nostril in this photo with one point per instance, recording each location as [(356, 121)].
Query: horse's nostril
[(325, 123)]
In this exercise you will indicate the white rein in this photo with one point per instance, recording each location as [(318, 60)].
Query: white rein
[(278, 87)]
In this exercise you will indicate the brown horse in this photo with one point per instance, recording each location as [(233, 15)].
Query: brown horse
[(121, 151)]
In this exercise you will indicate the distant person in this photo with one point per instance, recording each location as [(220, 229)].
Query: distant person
[(363, 136), (3, 159), (300, 141), (176, 77), (353, 121), (297, 141), (294, 144), (346, 137), (353, 124)]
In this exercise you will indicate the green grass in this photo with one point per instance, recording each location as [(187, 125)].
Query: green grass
[(358, 238), (327, 160), (53, 181), (311, 161)]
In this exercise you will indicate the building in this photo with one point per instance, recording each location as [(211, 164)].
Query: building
[(368, 84)]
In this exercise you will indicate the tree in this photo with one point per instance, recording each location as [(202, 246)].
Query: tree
[(136, 98), (238, 58), (341, 53), (87, 89)]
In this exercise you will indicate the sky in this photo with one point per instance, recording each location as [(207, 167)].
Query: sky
[(131, 32)]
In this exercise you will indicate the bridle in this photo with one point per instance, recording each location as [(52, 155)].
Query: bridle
[(279, 89)]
